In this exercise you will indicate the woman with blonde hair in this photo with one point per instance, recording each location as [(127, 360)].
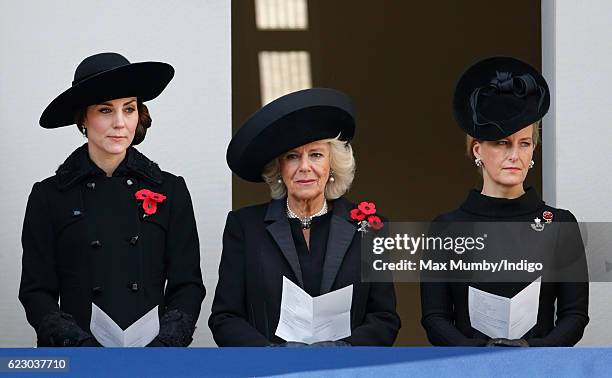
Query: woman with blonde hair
[(300, 146)]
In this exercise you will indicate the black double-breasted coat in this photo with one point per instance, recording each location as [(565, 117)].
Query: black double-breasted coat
[(86, 238), (563, 306), (258, 250)]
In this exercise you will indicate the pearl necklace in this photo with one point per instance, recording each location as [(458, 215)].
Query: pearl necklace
[(306, 221)]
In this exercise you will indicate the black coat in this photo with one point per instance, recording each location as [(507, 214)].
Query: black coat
[(258, 250), (86, 239), (445, 305)]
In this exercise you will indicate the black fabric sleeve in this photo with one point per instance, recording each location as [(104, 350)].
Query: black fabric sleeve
[(437, 308), (381, 323), (228, 321), (572, 297), (39, 288), (437, 317), (185, 289)]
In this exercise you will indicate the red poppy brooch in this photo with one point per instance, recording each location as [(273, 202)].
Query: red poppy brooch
[(149, 200), (364, 215)]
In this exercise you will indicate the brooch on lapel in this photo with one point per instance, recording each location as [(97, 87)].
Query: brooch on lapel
[(149, 200), (538, 225), (364, 215)]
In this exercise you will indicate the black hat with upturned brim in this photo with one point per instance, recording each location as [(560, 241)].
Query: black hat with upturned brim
[(499, 96), (104, 77), (288, 122)]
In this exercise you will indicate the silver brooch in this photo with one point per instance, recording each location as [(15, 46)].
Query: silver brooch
[(538, 225)]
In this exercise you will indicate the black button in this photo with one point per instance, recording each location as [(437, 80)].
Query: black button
[(97, 290), (76, 213), (91, 185), (133, 286), (134, 240), (95, 244)]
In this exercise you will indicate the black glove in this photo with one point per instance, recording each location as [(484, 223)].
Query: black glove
[(59, 329), (507, 343), (175, 329), (91, 342), (156, 343), (339, 343), (289, 344)]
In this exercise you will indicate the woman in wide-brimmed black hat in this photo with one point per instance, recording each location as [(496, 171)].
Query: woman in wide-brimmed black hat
[(499, 102), (110, 233), (309, 232)]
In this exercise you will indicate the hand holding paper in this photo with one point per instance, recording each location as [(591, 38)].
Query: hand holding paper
[(501, 317), (309, 319)]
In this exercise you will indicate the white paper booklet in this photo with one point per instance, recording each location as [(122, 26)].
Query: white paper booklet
[(501, 317), (109, 334), (309, 319)]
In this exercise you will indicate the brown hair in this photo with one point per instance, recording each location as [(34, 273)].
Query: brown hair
[(469, 140), (144, 121)]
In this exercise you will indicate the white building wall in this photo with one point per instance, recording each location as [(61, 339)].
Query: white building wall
[(577, 133)]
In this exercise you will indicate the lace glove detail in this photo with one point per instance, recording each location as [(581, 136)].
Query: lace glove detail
[(59, 329), (507, 343), (176, 329)]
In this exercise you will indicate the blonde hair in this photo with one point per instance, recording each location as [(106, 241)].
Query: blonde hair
[(342, 164), (469, 140)]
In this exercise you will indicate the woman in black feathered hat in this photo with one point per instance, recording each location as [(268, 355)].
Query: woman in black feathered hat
[(110, 232), (499, 102), (308, 233)]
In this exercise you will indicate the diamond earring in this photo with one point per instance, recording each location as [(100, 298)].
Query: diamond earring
[(478, 162), (531, 164)]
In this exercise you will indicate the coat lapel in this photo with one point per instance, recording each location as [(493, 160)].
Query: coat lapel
[(281, 233), (341, 234)]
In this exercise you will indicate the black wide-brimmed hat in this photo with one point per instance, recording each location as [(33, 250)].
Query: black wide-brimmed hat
[(499, 96), (104, 77), (288, 122)]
